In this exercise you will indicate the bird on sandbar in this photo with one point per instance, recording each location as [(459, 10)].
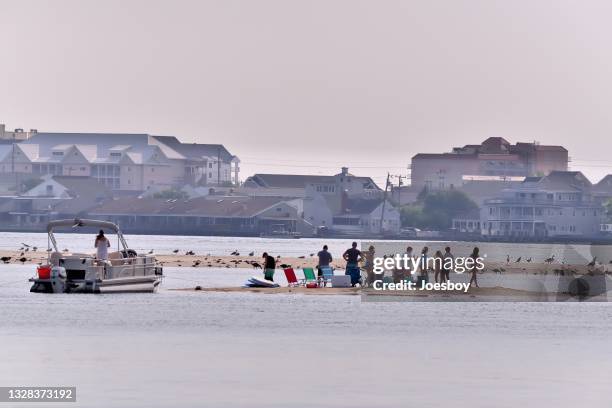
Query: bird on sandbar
[(176, 251), (252, 253)]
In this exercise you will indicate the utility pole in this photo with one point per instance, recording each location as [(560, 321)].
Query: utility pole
[(219, 166), (399, 192), (13, 166), (382, 215)]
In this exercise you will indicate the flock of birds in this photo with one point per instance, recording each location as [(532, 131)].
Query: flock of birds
[(552, 259), (223, 262), (211, 261)]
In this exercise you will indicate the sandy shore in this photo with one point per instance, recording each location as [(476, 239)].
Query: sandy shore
[(200, 261)]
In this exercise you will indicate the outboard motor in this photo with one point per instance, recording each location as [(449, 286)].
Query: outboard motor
[(58, 279)]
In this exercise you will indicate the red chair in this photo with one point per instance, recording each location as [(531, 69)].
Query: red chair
[(292, 280)]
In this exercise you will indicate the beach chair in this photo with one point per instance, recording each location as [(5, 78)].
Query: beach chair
[(292, 280), (309, 276), (328, 274)]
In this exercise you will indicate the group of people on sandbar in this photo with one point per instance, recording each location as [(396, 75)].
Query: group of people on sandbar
[(441, 268), (354, 257)]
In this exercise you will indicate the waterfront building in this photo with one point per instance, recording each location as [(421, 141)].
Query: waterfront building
[(343, 203), (210, 215), (493, 157), (123, 162), (560, 204)]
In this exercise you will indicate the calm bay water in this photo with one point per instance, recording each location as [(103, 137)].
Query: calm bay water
[(228, 350)]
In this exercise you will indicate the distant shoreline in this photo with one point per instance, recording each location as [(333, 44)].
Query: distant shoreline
[(377, 237)]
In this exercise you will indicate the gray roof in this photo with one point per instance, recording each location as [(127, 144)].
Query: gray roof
[(102, 141), (299, 180), (361, 206), (209, 207), (196, 151)]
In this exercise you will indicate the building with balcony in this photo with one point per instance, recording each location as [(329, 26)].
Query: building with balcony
[(123, 162), (560, 204)]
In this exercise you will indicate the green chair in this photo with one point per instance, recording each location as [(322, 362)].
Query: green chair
[(309, 275)]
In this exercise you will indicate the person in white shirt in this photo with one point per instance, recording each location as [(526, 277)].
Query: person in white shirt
[(102, 244)]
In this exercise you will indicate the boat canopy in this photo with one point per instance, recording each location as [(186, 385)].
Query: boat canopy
[(77, 223), (82, 223)]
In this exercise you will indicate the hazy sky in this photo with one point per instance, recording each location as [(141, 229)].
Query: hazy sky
[(309, 86)]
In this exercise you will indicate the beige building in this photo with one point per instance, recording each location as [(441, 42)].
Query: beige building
[(495, 157), (130, 162)]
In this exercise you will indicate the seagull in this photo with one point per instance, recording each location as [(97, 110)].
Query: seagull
[(550, 260), (34, 249), (256, 265), (196, 263), (175, 251), (189, 253), (593, 262), (22, 259), (5, 259), (252, 253), (312, 254), (301, 257), (507, 258), (150, 252), (529, 259), (518, 260), (25, 245)]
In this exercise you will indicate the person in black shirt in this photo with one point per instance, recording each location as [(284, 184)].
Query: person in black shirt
[(269, 266), (353, 256)]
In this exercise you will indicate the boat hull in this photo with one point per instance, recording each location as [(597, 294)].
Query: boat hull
[(135, 284)]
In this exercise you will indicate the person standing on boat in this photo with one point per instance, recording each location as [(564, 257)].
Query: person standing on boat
[(269, 266), (325, 259), (102, 244)]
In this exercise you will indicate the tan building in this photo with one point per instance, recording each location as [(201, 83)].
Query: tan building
[(495, 157), (129, 162)]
